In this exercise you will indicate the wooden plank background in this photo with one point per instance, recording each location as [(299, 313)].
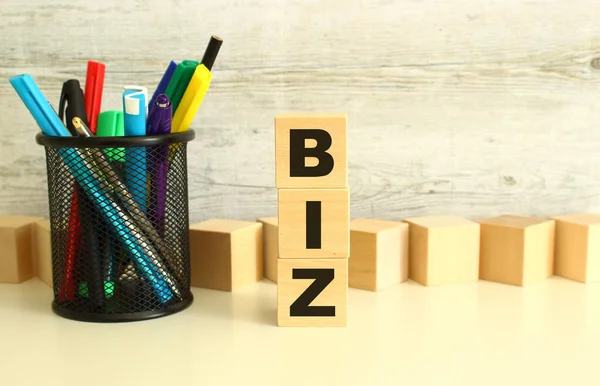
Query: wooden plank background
[(469, 107)]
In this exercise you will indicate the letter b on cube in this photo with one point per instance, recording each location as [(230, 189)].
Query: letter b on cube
[(311, 151)]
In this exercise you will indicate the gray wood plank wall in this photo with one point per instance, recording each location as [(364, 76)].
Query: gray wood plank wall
[(468, 107)]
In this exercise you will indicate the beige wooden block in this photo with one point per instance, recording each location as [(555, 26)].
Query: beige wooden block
[(443, 250), (307, 232), (16, 263), (42, 252), (270, 247), (332, 157), (226, 254), (378, 254), (312, 292), (516, 250), (577, 247)]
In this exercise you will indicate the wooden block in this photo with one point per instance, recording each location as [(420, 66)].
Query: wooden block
[(577, 247), (326, 232), (312, 292), (516, 250), (16, 265), (226, 254), (270, 247), (378, 254), (311, 151), (42, 252), (443, 250)]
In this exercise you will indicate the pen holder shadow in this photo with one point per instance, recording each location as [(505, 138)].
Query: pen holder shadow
[(119, 220)]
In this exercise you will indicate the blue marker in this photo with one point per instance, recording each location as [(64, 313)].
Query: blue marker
[(134, 120), (164, 82), (38, 106)]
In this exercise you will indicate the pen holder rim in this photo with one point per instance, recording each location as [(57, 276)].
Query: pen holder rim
[(111, 142)]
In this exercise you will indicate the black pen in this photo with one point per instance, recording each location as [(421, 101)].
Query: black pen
[(71, 105)]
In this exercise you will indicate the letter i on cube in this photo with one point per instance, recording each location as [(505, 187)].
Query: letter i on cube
[(313, 219)]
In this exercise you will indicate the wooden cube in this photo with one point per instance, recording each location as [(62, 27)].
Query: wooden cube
[(312, 292), (313, 223), (270, 247), (577, 247), (16, 263), (443, 250), (42, 252), (378, 254), (516, 250), (226, 254), (311, 151)]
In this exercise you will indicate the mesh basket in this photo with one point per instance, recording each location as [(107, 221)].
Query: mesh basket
[(119, 226)]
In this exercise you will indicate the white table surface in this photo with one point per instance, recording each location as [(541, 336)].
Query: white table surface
[(479, 334)]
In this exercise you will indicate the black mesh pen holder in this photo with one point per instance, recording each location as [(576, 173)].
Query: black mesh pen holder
[(118, 209)]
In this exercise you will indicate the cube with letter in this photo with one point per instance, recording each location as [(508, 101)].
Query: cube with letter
[(313, 223), (226, 254), (312, 292), (310, 151), (516, 250), (443, 250), (313, 219), (378, 254)]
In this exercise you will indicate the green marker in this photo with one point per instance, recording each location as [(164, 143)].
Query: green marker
[(110, 124), (179, 82), (109, 289)]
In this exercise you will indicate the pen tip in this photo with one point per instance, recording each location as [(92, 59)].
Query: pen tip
[(162, 100), (76, 122)]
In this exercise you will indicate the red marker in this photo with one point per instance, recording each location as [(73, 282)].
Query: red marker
[(94, 83), (69, 285)]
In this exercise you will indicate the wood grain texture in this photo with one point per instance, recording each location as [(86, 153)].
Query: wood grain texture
[(516, 250), (378, 254), (470, 107), (577, 247), (270, 246), (226, 254), (443, 250), (42, 252)]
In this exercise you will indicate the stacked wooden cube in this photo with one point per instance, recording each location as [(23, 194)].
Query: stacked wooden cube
[(313, 219)]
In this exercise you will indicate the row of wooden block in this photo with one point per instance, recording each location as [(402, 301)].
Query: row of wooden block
[(228, 254), (448, 250), (430, 250)]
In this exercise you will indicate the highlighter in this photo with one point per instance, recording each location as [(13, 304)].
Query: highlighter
[(179, 82), (196, 89), (193, 97)]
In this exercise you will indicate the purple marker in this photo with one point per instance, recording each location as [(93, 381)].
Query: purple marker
[(159, 117), (159, 123)]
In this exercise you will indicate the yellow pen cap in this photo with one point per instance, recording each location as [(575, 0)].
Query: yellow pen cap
[(192, 99)]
